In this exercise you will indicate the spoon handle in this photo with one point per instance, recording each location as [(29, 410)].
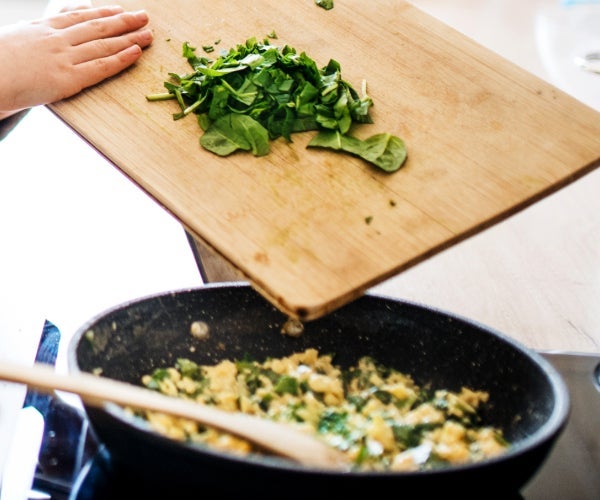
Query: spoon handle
[(277, 438)]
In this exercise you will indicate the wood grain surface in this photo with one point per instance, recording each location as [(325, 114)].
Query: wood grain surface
[(312, 230)]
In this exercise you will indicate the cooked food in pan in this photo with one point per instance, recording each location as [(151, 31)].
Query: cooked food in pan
[(378, 416)]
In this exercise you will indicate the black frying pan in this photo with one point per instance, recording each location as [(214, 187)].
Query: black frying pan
[(528, 399)]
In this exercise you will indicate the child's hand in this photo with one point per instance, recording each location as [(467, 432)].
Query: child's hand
[(47, 60)]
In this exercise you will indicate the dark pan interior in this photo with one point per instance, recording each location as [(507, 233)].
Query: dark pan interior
[(527, 398)]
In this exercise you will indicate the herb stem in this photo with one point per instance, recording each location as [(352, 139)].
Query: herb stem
[(192, 107), (163, 96)]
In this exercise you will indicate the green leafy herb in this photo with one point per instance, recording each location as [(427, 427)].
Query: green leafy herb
[(334, 421), (326, 4), (257, 92), (189, 369), (158, 376), (386, 151), (286, 384), (410, 435), (232, 132)]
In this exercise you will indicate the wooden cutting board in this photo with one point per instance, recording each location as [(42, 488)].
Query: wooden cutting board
[(311, 229)]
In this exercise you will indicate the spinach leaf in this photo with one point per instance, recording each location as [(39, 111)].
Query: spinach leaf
[(287, 384), (335, 422), (326, 4), (188, 368), (232, 132), (386, 151)]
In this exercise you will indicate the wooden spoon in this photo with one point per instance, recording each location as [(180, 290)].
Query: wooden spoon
[(275, 437)]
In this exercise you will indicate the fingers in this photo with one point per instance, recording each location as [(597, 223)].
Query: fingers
[(75, 17), (106, 27), (96, 70), (103, 32), (106, 47)]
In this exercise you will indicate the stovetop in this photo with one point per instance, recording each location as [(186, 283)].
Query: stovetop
[(73, 465)]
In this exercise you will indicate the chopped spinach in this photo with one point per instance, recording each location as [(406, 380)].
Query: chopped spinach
[(335, 422), (232, 132), (257, 92), (410, 436), (386, 151), (287, 385), (189, 369), (384, 396), (251, 373), (158, 376), (326, 4)]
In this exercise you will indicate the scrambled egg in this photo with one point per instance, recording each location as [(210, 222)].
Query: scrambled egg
[(376, 415)]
